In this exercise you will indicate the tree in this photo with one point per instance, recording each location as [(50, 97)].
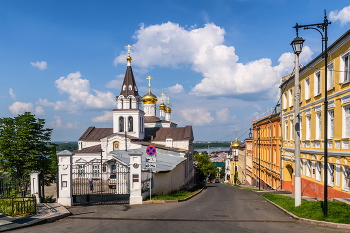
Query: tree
[(25, 146), (205, 166), (222, 172)]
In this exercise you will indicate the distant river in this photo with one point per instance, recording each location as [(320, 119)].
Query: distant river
[(212, 149)]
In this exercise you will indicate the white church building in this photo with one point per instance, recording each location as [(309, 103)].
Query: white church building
[(136, 126)]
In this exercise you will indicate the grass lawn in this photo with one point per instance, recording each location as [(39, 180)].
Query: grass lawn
[(175, 195), (338, 212)]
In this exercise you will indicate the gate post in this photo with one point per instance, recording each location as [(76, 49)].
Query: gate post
[(65, 177), (34, 185), (135, 177)]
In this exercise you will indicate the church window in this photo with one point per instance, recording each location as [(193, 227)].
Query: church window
[(130, 88), (135, 88), (130, 124), (124, 87), (121, 124)]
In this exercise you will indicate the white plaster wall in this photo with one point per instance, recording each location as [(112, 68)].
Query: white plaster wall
[(167, 182), (85, 144), (177, 144)]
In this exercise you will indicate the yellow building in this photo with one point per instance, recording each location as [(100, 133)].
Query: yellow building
[(266, 167), (312, 95)]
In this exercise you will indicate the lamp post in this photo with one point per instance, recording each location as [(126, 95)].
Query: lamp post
[(101, 175), (322, 29), (297, 44)]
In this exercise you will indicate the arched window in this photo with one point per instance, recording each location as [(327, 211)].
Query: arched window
[(121, 124), (130, 124), (130, 88)]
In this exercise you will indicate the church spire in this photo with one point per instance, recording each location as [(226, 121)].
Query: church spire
[(129, 87)]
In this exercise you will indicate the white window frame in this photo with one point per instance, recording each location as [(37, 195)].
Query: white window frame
[(308, 168), (330, 76), (317, 83), (331, 174), (330, 124), (346, 121), (318, 125), (286, 130), (301, 128), (290, 97), (346, 178), (285, 100), (308, 127), (345, 68), (318, 171), (291, 130), (307, 88)]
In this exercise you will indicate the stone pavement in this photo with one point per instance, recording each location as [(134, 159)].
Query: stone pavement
[(46, 212)]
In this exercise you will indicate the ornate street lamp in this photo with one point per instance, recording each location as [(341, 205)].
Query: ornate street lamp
[(322, 28), (297, 45)]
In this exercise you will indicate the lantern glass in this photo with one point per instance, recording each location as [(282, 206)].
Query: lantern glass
[(297, 45)]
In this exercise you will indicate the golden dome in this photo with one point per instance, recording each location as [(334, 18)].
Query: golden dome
[(235, 144), (128, 59), (168, 109), (162, 106), (149, 98)]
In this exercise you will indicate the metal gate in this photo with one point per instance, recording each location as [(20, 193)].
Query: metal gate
[(100, 182)]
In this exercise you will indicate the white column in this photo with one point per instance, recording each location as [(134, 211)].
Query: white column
[(65, 178), (135, 177), (167, 116), (34, 184)]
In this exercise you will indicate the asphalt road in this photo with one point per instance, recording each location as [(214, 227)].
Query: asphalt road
[(219, 208)]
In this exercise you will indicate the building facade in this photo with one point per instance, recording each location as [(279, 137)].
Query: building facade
[(312, 94), (266, 166)]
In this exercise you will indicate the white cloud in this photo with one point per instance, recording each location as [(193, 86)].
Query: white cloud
[(39, 111), (12, 94), (223, 116), (170, 45), (20, 107), (45, 102), (343, 15), (107, 116), (58, 124), (196, 116), (80, 95), (176, 89), (286, 61), (42, 65)]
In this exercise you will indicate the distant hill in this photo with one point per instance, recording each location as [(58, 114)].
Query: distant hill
[(72, 145), (204, 145)]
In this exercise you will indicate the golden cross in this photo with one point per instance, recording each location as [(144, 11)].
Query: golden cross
[(129, 46), (149, 81)]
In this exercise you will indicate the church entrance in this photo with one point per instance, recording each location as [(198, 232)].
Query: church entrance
[(97, 182)]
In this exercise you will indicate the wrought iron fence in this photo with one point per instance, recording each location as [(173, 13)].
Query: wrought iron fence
[(18, 206), (15, 197)]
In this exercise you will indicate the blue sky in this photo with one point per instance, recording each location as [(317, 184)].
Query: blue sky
[(220, 62)]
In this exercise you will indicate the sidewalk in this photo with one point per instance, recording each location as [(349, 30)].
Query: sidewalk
[(304, 220), (46, 212)]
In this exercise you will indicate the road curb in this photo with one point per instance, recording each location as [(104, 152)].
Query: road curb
[(172, 201), (309, 221)]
